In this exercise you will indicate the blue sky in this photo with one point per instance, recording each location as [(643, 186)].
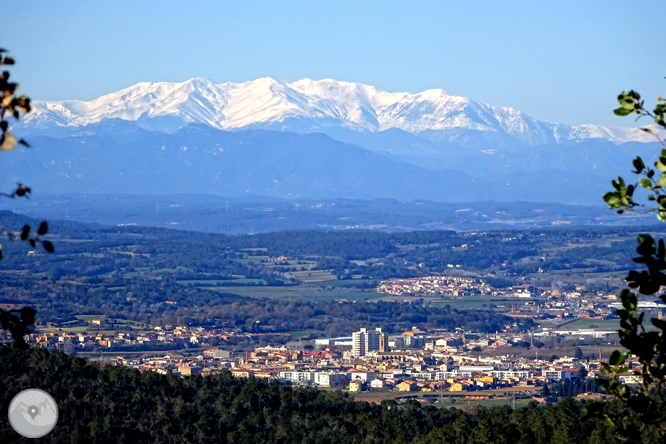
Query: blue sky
[(561, 61)]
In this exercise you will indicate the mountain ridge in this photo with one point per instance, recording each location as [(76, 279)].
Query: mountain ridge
[(307, 105)]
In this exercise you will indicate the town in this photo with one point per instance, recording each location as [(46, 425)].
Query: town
[(370, 363), (376, 365)]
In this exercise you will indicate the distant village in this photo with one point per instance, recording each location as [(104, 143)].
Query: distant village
[(538, 303)]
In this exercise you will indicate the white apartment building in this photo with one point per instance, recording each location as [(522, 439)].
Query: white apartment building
[(503, 374), (304, 377), (366, 341), (557, 375), (467, 371), (440, 376), (331, 379)]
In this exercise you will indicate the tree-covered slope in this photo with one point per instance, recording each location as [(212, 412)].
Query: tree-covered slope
[(101, 404)]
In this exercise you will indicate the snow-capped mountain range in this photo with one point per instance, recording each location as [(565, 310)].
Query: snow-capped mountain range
[(313, 139), (314, 105)]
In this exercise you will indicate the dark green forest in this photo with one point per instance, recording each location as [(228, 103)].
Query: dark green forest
[(161, 276), (108, 404), (89, 250), (147, 304)]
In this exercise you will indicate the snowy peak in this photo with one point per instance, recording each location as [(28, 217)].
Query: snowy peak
[(312, 105)]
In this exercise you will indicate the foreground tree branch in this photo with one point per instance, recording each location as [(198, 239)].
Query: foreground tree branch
[(17, 322)]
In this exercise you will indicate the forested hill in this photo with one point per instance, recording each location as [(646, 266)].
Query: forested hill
[(106, 404), (164, 277)]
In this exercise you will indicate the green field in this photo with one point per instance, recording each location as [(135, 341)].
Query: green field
[(298, 292), (292, 263), (137, 275), (343, 282), (120, 325), (85, 329), (298, 334), (65, 330), (465, 301), (522, 392), (130, 354), (596, 324), (221, 281), (88, 318), (467, 403), (313, 276)]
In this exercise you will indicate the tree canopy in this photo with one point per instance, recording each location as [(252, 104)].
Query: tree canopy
[(16, 321), (647, 404)]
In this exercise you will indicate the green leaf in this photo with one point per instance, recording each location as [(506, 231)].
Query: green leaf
[(622, 111), (646, 245), (645, 183), (629, 300), (662, 180), (620, 186), (622, 313), (613, 200), (614, 357), (639, 165)]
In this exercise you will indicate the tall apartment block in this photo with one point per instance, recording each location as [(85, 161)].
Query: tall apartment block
[(366, 341)]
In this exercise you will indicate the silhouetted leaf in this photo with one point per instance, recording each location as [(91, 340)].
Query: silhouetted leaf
[(28, 315), (48, 246)]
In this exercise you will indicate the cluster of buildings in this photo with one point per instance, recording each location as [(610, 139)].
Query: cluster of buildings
[(419, 370), (374, 361), (435, 286), (453, 286), (369, 360), (179, 337), (538, 303)]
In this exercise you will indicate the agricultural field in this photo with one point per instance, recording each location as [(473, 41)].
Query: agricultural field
[(452, 397), (465, 404), (299, 334), (156, 275), (470, 301), (596, 324), (222, 282), (298, 292), (601, 324), (314, 276), (108, 325)]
